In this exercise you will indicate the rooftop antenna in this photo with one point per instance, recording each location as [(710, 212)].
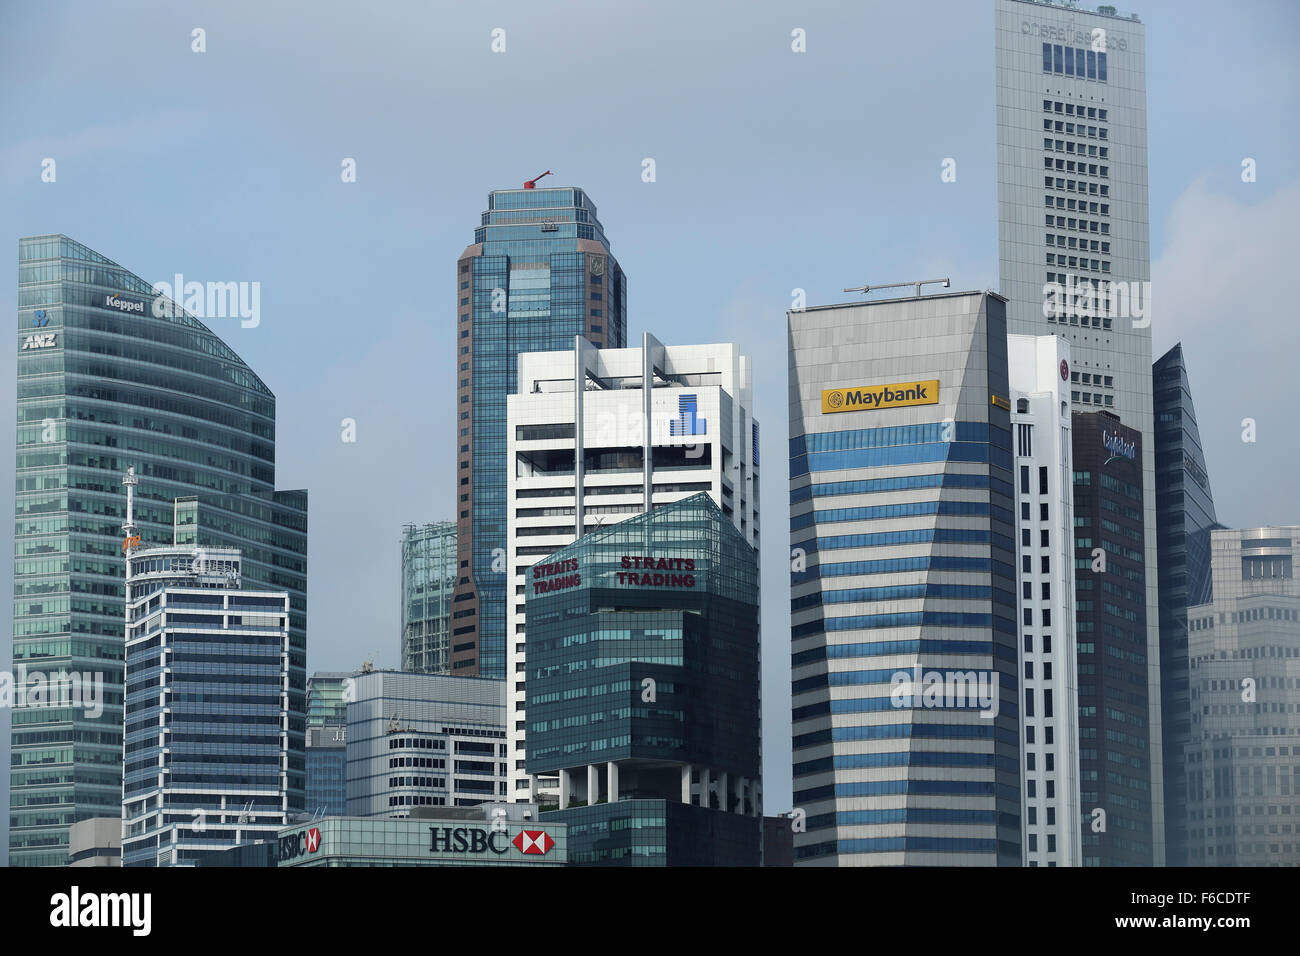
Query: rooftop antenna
[(532, 183), (864, 289), (132, 540)]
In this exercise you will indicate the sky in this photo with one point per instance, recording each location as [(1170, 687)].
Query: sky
[(774, 171)]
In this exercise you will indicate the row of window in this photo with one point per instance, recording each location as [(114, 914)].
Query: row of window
[(1074, 61)]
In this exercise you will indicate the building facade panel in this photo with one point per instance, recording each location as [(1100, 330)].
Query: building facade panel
[(904, 640)]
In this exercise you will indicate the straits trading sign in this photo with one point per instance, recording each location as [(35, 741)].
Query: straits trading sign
[(875, 397)]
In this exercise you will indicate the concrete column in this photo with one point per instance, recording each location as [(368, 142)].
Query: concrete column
[(705, 781), (724, 795), (564, 789), (611, 781), (593, 784), (686, 783)]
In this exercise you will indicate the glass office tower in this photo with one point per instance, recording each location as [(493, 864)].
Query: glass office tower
[(643, 689), (104, 384), (1184, 520), (428, 579), (1117, 756), (538, 273), (903, 604)]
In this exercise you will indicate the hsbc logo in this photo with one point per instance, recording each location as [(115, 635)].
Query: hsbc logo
[(533, 842), (473, 841), (298, 844), (39, 341)]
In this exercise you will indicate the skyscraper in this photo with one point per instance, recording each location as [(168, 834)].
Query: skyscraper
[(643, 689), (103, 383), (1073, 232), (1184, 519), (327, 743), (903, 604), (207, 705), (1039, 367), (1243, 757), (538, 273), (634, 428), (1117, 758), (428, 580)]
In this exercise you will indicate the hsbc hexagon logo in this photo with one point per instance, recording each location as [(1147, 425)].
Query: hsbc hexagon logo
[(533, 841), (313, 840)]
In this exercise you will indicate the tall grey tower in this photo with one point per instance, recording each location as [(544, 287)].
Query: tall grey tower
[(1073, 229)]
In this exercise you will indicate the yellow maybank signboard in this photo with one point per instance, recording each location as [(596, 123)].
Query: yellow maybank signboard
[(873, 397)]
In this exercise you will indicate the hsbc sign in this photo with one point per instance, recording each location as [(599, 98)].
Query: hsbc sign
[(298, 844), (473, 841)]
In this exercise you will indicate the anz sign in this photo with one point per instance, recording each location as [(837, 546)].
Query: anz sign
[(44, 341)]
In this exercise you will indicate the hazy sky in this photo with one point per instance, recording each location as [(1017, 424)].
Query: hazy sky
[(775, 170)]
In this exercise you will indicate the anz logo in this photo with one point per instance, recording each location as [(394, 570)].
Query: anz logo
[(40, 319), (39, 341), (687, 421)]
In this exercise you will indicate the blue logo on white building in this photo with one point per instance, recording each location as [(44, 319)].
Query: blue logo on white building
[(687, 421)]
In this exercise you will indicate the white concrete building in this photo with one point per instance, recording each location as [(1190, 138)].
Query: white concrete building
[(1039, 372), (423, 740), (1073, 231), (634, 428)]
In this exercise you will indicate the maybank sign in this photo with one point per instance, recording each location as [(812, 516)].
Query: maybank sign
[(874, 397)]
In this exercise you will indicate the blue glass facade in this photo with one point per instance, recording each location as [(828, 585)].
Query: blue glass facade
[(539, 273), (903, 588), (1184, 518), (327, 780), (428, 581), (109, 385)]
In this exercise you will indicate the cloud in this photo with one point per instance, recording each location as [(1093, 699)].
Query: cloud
[(1223, 286)]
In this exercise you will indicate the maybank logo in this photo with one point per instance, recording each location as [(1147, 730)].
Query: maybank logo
[(874, 397)]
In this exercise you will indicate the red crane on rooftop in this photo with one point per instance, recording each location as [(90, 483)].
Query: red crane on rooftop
[(532, 183)]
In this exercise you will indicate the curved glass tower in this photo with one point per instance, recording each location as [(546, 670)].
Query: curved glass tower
[(103, 384)]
